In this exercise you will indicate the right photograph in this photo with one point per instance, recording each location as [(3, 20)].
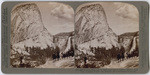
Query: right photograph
[(107, 35)]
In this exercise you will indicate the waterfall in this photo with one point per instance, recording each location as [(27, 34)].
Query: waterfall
[(68, 45), (133, 48)]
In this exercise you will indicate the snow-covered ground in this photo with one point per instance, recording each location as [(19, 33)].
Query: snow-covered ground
[(61, 63)]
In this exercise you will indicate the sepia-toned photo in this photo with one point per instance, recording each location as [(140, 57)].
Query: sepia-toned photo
[(106, 35), (42, 35), (94, 35)]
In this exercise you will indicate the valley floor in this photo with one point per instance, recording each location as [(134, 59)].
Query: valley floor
[(61, 63), (69, 63), (126, 63)]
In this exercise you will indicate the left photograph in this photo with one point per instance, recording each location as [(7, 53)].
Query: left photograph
[(42, 35)]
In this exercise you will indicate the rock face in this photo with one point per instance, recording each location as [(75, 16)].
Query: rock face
[(28, 29), (92, 29), (29, 37)]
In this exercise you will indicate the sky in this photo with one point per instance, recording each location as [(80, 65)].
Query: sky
[(58, 17), (121, 17)]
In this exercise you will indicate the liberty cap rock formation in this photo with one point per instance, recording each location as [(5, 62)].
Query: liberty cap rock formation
[(33, 43), (27, 27), (30, 40), (92, 28)]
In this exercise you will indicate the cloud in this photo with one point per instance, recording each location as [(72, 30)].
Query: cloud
[(63, 11), (127, 11)]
